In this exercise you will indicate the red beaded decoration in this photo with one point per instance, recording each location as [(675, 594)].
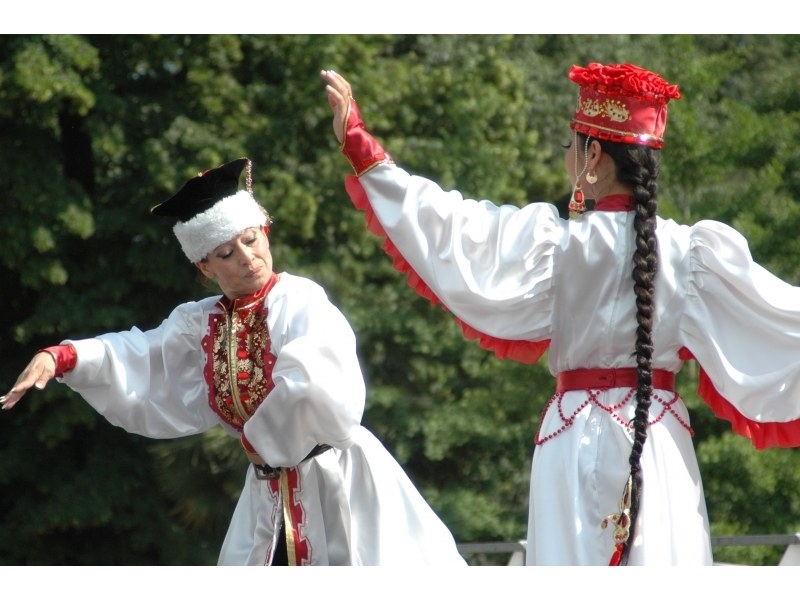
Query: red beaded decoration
[(577, 204), (666, 404)]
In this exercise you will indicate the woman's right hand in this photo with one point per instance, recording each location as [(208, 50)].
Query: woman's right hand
[(40, 370)]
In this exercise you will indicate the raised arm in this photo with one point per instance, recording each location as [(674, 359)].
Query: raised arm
[(489, 265)]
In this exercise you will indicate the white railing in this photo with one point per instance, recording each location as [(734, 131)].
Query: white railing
[(516, 550)]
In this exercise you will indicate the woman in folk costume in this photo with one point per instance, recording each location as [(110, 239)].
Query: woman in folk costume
[(274, 363), (620, 297)]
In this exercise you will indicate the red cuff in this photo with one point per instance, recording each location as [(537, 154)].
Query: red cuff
[(361, 149), (65, 357)]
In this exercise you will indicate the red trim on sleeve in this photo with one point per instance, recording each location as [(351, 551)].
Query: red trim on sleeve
[(65, 357), (523, 351), (763, 435), (360, 147)]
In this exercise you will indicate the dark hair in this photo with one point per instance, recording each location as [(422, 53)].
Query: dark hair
[(639, 167)]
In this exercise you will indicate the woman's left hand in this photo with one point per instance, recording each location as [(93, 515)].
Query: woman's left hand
[(339, 95)]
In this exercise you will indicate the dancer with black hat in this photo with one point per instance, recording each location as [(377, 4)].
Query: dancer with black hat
[(619, 298), (274, 363)]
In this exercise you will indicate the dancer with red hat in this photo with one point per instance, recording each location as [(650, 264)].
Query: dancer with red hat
[(273, 362), (619, 298)]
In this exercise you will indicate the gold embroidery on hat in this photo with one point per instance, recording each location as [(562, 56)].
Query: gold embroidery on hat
[(614, 110), (617, 111), (591, 108)]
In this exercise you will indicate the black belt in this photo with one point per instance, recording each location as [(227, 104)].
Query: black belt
[(267, 472)]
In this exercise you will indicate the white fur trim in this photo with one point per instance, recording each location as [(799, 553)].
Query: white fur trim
[(226, 219)]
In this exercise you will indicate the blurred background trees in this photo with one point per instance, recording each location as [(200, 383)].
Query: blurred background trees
[(96, 129)]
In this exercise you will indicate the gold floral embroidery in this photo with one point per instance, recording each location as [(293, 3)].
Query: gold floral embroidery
[(614, 110), (238, 361)]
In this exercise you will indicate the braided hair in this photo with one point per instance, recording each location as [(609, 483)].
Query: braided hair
[(638, 166)]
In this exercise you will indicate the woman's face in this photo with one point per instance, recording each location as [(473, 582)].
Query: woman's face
[(241, 266)]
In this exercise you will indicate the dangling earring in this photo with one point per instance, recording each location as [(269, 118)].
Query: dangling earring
[(591, 178), (577, 204)]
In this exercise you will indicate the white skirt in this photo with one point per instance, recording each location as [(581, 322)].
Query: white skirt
[(349, 507), (578, 477)]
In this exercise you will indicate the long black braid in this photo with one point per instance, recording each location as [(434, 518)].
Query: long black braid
[(639, 166)]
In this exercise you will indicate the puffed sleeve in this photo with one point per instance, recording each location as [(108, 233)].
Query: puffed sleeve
[(742, 325), (148, 382), (319, 392), (490, 265)]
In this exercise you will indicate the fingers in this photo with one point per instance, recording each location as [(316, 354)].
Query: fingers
[(39, 371), (16, 393), (335, 80), (338, 88), (8, 401), (339, 96)]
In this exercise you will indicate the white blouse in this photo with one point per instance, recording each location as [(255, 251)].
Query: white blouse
[(524, 279)]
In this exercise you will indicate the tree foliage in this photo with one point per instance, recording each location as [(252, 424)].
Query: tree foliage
[(96, 129)]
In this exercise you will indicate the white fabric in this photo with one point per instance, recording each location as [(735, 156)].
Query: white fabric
[(525, 274), (224, 220), (360, 507)]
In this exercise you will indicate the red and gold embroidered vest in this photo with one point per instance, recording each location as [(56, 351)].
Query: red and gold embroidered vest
[(239, 363)]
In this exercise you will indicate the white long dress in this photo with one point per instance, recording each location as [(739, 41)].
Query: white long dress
[(301, 385), (522, 280)]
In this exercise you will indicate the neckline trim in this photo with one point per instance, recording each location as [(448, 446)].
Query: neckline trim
[(615, 203)]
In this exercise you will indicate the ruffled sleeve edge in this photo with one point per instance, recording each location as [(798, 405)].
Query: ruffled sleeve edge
[(763, 435)]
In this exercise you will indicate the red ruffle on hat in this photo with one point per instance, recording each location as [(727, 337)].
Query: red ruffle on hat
[(622, 103)]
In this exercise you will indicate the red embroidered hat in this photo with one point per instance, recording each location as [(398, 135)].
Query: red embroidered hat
[(622, 103)]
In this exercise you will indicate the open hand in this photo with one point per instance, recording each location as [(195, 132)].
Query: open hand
[(39, 371), (339, 95)]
